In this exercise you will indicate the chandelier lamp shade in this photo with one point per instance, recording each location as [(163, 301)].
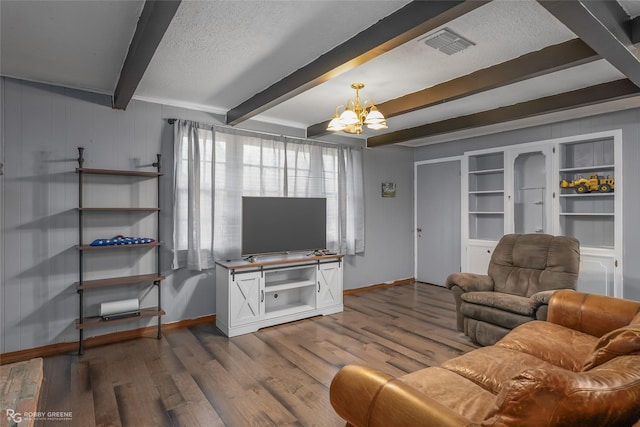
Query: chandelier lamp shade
[(355, 115)]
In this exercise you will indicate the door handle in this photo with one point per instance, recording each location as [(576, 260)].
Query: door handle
[(318, 286), (262, 295), (419, 230)]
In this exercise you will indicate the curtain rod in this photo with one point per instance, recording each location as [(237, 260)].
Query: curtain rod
[(173, 120)]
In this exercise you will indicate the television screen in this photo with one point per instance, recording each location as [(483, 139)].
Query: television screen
[(283, 224)]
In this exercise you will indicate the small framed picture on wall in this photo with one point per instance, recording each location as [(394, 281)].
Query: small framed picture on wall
[(388, 189)]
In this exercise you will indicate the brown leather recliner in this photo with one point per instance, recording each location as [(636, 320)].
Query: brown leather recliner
[(524, 271)]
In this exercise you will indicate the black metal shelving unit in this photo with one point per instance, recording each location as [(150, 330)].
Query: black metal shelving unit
[(83, 322)]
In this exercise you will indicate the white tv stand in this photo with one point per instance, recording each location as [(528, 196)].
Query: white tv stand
[(276, 289)]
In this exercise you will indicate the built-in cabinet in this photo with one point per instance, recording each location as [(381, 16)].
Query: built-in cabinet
[(534, 188), (276, 289), (594, 216), (486, 184)]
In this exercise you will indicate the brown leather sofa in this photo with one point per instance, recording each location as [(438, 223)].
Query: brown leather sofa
[(524, 271), (579, 368)]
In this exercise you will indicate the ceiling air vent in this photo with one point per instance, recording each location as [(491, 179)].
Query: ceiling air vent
[(447, 41)]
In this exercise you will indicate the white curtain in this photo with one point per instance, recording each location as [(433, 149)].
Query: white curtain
[(248, 164), (351, 205), (194, 158)]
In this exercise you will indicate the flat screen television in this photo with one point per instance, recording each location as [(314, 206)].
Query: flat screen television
[(283, 224)]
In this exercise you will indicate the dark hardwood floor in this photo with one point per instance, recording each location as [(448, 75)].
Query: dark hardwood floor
[(278, 376)]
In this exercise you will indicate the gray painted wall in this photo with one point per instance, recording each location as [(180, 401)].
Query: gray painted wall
[(42, 126), (389, 221), (628, 121)]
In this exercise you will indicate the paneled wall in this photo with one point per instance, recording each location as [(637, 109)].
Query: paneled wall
[(42, 126), (628, 121)]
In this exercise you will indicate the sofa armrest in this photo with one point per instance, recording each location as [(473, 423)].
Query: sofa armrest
[(469, 282), (551, 395), (541, 300), (592, 314), (459, 283), (543, 297), (368, 398)]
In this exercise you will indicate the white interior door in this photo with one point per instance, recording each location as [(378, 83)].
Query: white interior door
[(437, 221)]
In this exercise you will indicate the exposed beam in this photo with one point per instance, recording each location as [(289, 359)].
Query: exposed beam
[(553, 58), (604, 26), (635, 30), (152, 24), (407, 23), (610, 91)]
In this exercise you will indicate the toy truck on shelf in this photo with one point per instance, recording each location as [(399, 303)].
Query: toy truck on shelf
[(586, 185)]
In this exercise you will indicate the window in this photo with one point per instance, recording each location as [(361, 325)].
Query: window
[(247, 165)]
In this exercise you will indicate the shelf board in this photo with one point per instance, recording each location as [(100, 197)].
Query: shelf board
[(136, 245), (593, 194), (118, 209), (487, 192), (587, 214), (119, 172), (283, 285), (486, 171), (486, 213), (588, 168), (92, 322), (287, 309), (118, 281)]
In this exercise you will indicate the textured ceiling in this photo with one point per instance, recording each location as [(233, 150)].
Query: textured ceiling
[(551, 84), (216, 55), (632, 7), (501, 30), (78, 44)]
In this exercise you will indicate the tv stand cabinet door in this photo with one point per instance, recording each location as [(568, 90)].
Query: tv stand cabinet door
[(329, 286), (244, 299)]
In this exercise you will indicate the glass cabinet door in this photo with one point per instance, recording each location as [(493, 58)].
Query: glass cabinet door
[(529, 194)]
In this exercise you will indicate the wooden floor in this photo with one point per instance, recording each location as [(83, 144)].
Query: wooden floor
[(278, 376)]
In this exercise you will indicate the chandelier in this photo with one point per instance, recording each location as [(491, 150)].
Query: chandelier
[(356, 115)]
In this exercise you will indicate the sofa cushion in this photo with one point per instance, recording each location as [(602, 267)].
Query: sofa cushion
[(524, 264), (513, 303), (453, 391), (552, 343), (484, 333), (491, 367), (619, 342), (554, 396), (495, 316)]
